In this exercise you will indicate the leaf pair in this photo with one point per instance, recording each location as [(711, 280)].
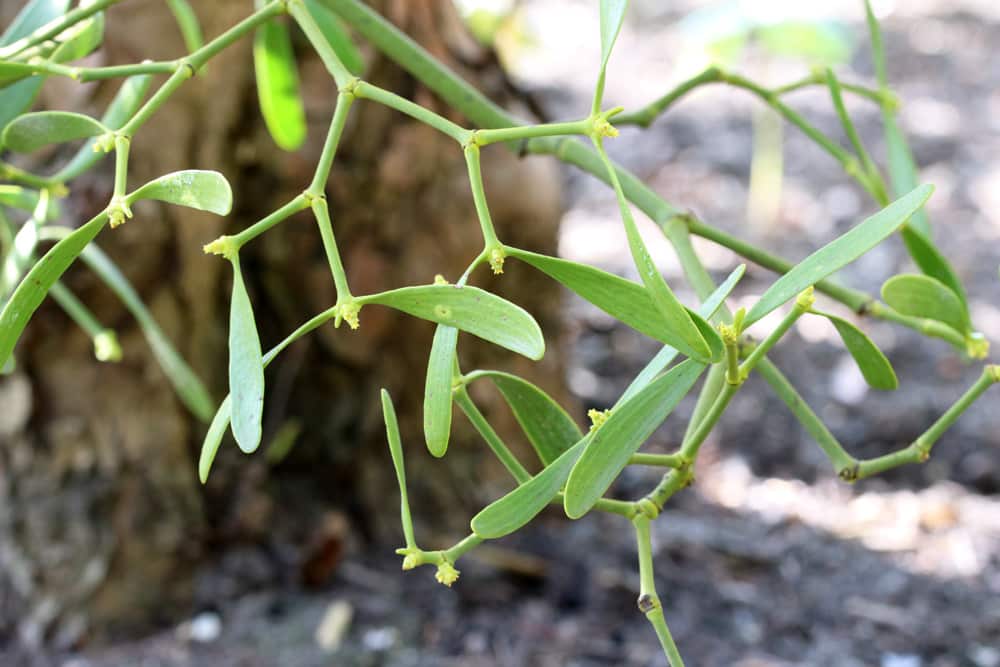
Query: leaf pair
[(456, 308), (518, 507)]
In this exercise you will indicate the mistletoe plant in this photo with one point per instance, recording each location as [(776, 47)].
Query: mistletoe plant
[(575, 468)]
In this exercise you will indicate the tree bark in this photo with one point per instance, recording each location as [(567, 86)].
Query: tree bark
[(102, 520)]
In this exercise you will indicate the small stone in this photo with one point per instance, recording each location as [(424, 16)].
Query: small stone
[(379, 639), (984, 656), (205, 627), (333, 627), (901, 660)]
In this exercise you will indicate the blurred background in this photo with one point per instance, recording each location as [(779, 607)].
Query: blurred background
[(112, 553)]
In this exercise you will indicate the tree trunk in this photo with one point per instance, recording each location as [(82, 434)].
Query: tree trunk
[(102, 520)]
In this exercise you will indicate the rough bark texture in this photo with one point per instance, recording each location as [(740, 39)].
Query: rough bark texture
[(101, 516)]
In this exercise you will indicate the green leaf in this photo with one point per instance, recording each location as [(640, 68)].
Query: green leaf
[(903, 173), (470, 309), (923, 296), (667, 354), (194, 188), (840, 252), (32, 290), (336, 35), (517, 508), (246, 367), (933, 263), (220, 423), (17, 98), (396, 451), (126, 102), (185, 381), (628, 426), (437, 389), (34, 130), (612, 17), (33, 16), (26, 199), (623, 299), (80, 40), (549, 429), (872, 363), (213, 439), (278, 85)]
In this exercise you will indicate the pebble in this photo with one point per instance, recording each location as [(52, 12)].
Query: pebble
[(901, 660), (334, 626)]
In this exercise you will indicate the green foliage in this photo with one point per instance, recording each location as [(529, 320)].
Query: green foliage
[(577, 469)]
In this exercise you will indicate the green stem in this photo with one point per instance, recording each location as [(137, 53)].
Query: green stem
[(320, 210), (522, 132), (187, 23), (122, 145), (338, 71), (658, 460), (53, 28), (801, 306), (299, 203), (85, 74), (322, 173), (710, 391), (197, 59), (496, 444), (490, 239), (649, 601), (875, 180), (645, 116), (690, 450), (180, 75), (367, 91), (462, 548), (928, 327), (843, 462), (16, 174), (989, 376)]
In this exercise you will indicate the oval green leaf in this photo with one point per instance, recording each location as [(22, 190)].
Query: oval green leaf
[(872, 363), (437, 389), (34, 130), (220, 423), (31, 291), (623, 299), (246, 367), (470, 309), (194, 188), (840, 252), (923, 296), (932, 263), (278, 85), (517, 508), (627, 427), (550, 430), (80, 40)]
